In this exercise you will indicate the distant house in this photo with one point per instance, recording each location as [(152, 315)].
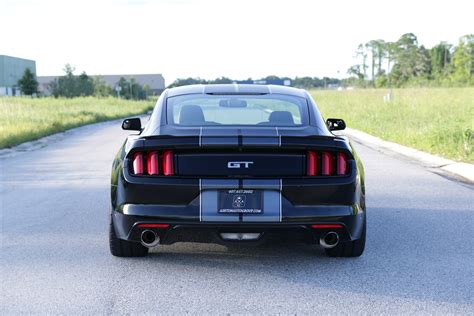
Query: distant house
[(154, 82), (11, 70)]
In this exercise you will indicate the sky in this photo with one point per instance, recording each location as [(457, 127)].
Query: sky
[(209, 39)]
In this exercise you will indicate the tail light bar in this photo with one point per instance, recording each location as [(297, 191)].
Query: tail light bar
[(153, 163), (312, 163), (326, 163), (137, 163), (168, 164)]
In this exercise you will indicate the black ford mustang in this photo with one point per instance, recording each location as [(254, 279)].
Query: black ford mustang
[(236, 164)]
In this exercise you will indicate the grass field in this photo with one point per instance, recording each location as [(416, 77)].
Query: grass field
[(23, 118), (435, 120)]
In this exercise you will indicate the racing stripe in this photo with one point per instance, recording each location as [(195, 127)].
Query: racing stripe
[(271, 200), (208, 199)]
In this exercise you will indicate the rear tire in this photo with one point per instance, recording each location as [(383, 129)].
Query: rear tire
[(123, 248), (349, 248)]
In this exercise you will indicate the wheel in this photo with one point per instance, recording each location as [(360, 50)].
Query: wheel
[(123, 248), (350, 248)]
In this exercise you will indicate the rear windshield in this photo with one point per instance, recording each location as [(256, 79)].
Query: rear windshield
[(255, 110)]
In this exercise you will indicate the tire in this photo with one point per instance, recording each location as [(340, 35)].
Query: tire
[(350, 248), (123, 248)]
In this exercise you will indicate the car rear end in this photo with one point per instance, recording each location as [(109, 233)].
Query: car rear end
[(211, 181)]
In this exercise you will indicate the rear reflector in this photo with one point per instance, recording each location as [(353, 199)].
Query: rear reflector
[(312, 163), (327, 169), (341, 164), (138, 163), (153, 225), (321, 226), (152, 163), (168, 165)]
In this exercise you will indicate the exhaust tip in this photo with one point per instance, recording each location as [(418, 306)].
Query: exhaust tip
[(149, 239), (329, 240)]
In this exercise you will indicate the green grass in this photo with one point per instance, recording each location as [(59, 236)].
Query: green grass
[(435, 120), (24, 119)]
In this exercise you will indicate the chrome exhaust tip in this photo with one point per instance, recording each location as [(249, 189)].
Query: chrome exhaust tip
[(329, 240), (149, 238)]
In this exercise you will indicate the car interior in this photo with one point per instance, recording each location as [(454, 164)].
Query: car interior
[(193, 115)]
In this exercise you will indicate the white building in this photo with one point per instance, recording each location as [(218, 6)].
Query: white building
[(11, 70)]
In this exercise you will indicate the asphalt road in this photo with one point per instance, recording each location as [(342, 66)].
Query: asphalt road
[(55, 259)]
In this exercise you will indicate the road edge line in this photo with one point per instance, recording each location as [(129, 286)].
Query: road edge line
[(462, 171)]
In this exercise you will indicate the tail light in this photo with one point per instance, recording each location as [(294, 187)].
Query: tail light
[(168, 165), (326, 163), (326, 159), (153, 163), (341, 164), (312, 161), (138, 163)]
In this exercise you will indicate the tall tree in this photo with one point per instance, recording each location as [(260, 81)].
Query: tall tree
[(371, 47), (362, 53), (411, 61), (131, 89), (377, 52), (440, 59), (101, 89), (28, 83), (380, 48), (85, 85), (463, 60), (66, 85)]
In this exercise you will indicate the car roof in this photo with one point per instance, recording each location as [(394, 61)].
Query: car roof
[(224, 89)]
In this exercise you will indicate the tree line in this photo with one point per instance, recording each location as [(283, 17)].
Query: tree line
[(405, 62), (300, 82), (69, 86), (380, 64)]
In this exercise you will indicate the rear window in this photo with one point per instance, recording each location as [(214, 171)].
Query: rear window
[(254, 110)]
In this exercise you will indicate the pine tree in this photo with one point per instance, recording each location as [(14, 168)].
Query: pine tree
[(28, 83)]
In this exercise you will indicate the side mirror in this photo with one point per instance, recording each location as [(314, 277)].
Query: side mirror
[(335, 124), (132, 124)]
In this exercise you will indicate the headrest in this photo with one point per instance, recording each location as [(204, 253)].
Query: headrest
[(281, 117), (191, 115)]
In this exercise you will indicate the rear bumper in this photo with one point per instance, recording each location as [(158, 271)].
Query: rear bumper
[(189, 207), (186, 226)]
